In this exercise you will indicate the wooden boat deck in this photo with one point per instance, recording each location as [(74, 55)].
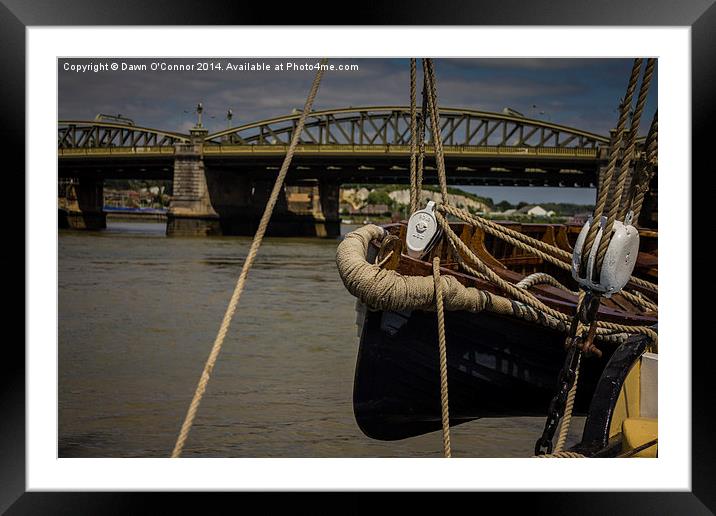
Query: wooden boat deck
[(513, 264)]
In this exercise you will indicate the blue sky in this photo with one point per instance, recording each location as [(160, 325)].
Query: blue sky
[(582, 93)]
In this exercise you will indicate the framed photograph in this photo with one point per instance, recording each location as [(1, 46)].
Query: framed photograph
[(321, 257)]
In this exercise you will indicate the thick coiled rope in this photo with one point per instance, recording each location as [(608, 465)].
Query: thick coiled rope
[(389, 290)]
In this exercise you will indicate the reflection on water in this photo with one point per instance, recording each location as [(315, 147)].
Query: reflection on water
[(138, 313)]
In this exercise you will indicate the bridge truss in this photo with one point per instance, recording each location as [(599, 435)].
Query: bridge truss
[(77, 134), (391, 126)]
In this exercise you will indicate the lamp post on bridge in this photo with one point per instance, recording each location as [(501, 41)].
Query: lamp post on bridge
[(199, 111), (229, 115), (191, 211), (198, 132)]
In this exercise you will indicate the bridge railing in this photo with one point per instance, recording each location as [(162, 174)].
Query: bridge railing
[(330, 149), (115, 151), (271, 149)]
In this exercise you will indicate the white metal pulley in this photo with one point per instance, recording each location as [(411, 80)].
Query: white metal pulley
[(423, 231), (619, 260)]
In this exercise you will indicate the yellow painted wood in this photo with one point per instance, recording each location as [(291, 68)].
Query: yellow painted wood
[(627, 405), (637, 431)]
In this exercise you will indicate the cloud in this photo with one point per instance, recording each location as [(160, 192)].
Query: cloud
[(541, 63), (578, 92)]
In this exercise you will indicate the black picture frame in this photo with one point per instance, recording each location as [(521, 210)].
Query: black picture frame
[(16, 15)]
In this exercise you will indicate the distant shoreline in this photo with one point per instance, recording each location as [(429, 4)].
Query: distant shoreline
[(135, 216)]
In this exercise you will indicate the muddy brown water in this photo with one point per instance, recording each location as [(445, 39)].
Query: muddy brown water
[(138, 313)]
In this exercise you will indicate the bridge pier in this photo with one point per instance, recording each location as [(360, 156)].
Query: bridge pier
[(308, 209), (81, 206), (224, 201), (326, 200), (191, 212)]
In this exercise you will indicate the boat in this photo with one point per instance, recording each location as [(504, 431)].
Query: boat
[(532, 319), (498, 365)]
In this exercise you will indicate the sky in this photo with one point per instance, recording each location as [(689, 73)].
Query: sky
[(580, 93)]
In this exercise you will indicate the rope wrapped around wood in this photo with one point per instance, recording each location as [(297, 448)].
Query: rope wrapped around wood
[(389, 290), (382, 289)]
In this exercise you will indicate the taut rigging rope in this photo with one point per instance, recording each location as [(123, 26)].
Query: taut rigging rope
[(251, 256), (620, 180), (603, 191), (646, 169)]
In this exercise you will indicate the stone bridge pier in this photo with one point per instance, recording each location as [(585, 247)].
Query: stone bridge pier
[(191, 212), (80, 204), (223, 200)]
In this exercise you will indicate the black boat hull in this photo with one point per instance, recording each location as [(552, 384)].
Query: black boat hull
[(498, 366)]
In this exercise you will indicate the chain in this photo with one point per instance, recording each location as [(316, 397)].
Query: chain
[(579, 341)]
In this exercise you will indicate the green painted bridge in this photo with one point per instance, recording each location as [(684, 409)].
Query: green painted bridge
[(351, 144), (221, 179)]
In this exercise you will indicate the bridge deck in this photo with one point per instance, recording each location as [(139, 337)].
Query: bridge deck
[(481, 151)]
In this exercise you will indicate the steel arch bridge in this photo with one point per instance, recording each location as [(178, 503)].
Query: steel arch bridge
[(390, 125), (80, 134), (352, 144), (382, 125)]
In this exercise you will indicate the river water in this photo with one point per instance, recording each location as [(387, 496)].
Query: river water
[(138, 313)]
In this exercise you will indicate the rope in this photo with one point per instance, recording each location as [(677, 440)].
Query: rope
[(525, 296), (255, 244), (385, 289), (432, 94), (444, 406), (512, 290), (385, 260), (604, 187), (620, 181), (640, 301), (557, 257), (547, 252), (569, 406), (414, 190), (561, 455), (618, 201), (421, 141), (576, 455), (647, 168), (389, 290), (542, 278)]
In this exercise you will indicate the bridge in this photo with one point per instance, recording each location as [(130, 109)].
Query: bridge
[(221, 180)]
